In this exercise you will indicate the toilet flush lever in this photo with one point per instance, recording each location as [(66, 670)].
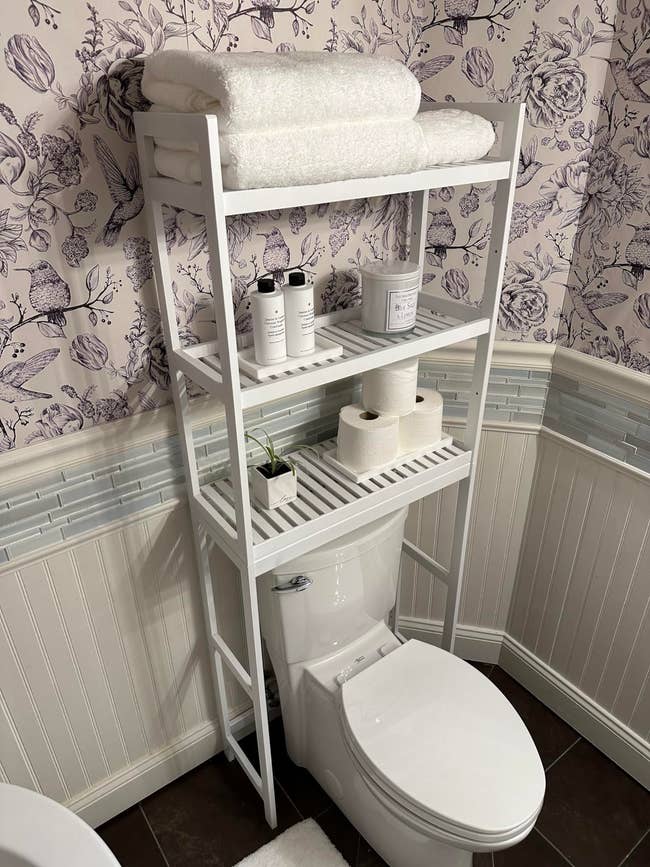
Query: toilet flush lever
[(295, 585)]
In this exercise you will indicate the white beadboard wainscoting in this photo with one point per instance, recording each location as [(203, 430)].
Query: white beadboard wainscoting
[(505, 472), (105, 692), (578, 633)]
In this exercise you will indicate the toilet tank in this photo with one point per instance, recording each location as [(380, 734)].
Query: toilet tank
[(353, 587)]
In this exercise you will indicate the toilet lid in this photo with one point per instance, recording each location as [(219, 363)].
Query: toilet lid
[(35, 831), (441, 738)]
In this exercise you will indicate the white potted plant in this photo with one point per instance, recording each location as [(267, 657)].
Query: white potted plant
[(275, 482)]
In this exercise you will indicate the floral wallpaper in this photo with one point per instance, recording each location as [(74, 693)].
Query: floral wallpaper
[(80, 337)]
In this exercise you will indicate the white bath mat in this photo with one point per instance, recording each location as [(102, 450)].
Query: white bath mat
[(302, 844)]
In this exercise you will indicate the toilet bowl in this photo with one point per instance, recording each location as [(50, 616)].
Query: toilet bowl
[(421, 751), (35, 831)]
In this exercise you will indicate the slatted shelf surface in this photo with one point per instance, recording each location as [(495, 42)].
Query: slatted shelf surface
[(327, 500), (361, 352)]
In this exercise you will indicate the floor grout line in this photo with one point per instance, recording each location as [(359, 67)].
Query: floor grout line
[(562, 754), (553, 846), (286, 795), (153, 834), (634, 848)]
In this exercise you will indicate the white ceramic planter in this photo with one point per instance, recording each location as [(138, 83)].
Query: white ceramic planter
[(276, 491)]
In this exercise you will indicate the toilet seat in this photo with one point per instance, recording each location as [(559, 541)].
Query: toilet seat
[(440, 746)]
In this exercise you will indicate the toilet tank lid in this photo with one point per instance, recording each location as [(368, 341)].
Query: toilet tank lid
[(345, 547), (445, 739)]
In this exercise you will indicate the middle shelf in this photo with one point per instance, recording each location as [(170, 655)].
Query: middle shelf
[(328, 502), (361, 352)]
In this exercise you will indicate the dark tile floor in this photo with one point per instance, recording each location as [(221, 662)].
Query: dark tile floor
[(594, 815)]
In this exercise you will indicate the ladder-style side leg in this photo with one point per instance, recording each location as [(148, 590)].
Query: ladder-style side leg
[(504, 199), (253, 683), (180, 397), (217, 237)]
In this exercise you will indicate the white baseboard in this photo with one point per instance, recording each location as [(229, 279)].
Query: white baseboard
[(623, 746), (472, 642), (139, 780)]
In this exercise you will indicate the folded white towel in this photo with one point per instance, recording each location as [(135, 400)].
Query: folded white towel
[(256, 90), (304, 155), (317, 154), (454, 136)]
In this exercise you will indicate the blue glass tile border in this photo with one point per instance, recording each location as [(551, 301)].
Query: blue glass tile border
[(617, 426), (87, 496)]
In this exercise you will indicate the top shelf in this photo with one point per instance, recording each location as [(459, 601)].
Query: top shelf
[(197, 198)]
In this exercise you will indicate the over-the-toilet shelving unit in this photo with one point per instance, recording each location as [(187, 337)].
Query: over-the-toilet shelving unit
[(328, 504)]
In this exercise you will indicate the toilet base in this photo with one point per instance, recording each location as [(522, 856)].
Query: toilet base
[(326, 757)]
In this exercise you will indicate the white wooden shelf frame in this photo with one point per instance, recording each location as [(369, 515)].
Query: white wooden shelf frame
[(255, 539)]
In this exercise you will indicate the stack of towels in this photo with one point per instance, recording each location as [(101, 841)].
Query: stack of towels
[(296, 118)]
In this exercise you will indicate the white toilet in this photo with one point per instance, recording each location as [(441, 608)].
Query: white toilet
[(35, 831), (422, 752)]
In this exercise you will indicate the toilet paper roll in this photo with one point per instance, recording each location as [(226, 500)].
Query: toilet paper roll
[(391, 389), (366, 440), (422, 426)]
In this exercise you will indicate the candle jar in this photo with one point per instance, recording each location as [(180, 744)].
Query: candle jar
[(389, 297)]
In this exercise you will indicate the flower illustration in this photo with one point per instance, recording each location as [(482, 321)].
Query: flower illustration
[(140, 270), (155, 362), (523, 304), (642, 309), (86, 200), (597, 192), (26, 58), (119, 95), (65, 156), (642, 138), (89, 351), (75, 248), (11, 242), (553, 86), (478, 66), (604, 347), (455, 283), (12, 160), (56, 420)]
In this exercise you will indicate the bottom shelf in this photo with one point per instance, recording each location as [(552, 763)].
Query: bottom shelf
[(329, 504)]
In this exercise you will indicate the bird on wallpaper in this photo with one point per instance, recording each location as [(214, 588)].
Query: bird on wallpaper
[(266, 8), (528, 165), (48, 291), (441, 233), (125, 189), (586, 302), (637, 253), (459, 11), (276, 254), (630, 77), (13, 376)]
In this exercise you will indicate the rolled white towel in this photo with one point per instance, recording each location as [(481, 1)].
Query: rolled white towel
[(256, 90), (454, 136), (304, 155)]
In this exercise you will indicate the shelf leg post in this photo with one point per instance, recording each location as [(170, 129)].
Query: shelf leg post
[(163, 284), (254, 643), (503, 202), (217, 237), (419, 220)]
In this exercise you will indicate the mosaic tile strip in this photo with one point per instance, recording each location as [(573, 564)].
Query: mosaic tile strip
[(514, 394), (61, 505), (611, 424)]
